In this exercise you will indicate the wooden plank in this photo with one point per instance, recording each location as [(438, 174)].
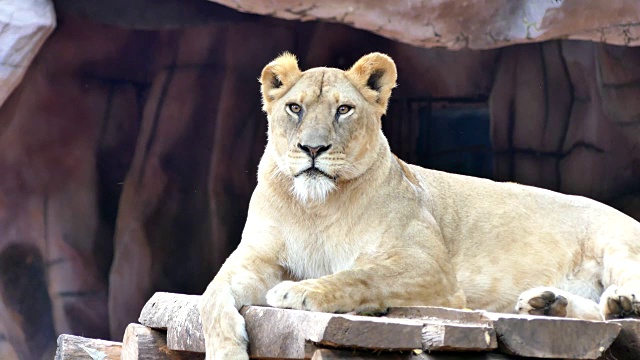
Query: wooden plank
[(450, 329), (336, 354), (442, 336), (143, 343), (185, 329), (158, 312), (282, 333), (449, 315), (72, 347), (547, 337)]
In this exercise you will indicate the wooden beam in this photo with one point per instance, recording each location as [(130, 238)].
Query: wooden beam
[(72, 347), (162, 307), (143, 343), (549, 337)]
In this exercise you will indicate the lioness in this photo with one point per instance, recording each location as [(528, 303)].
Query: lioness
[(337, 223)]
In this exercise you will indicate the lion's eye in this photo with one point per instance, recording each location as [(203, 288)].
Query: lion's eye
[(343, 109), (295, 108)]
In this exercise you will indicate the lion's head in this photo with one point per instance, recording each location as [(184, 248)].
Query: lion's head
[(325, 123)]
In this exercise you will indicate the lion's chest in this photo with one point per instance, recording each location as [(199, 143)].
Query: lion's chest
[(310, 254)]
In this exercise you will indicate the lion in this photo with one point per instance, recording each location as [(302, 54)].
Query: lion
[(337, 223)]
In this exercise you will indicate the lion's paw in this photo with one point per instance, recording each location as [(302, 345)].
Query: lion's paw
[(542, 301), (617, 303), (296, 295)]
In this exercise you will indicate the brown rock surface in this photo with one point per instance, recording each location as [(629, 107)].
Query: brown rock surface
[(472, 24), (24, 26), (150, 140), (549, 128)]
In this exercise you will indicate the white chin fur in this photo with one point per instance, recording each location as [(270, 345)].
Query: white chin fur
[(312, 188)]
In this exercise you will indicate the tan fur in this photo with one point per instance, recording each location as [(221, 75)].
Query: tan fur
[(374, 232)]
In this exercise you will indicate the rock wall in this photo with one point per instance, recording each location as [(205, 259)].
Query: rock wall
[(474, 24), (24, 25), (550, 123), (127, 158)]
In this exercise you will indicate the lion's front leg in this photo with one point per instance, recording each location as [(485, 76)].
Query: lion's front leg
[(395, 278), (243, 280)]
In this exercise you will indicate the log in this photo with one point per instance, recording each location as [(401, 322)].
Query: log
[(162, 307), (143, 343), (72, 347)]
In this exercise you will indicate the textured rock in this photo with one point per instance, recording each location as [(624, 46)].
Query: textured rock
[(549, 126), (24, 25), (151, 14), (185, 104), (471, 24)]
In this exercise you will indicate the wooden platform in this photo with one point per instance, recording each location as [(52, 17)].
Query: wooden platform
[(170, 328)]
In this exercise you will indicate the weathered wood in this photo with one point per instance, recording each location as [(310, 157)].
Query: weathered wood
[(450, 329), (371, 332), (277, 332), (185, 329), (158, 312), (459, 337), (281, 333), (335, 354), (143, 343), (439, 313), (546, 337), (72, 347)]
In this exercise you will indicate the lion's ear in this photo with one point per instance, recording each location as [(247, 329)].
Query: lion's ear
[(278, 77), (375, 76)]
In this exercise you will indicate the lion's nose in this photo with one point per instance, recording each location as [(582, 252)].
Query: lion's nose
[(314, 151)]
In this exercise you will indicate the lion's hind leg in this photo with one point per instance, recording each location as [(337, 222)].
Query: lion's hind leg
[(550, 301)]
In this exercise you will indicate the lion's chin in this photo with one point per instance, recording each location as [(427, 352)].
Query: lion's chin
[(312, 188)]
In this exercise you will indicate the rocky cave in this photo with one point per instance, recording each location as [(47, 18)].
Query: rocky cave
[(130, 131)]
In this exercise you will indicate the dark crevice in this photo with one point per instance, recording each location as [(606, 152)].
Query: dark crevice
[(23, 289), (565, 129), (511, 122), (545, 91), (67, 294), (158, 112), (626, 85)]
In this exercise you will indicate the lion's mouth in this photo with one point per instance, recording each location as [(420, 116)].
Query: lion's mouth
[(313, 171)]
